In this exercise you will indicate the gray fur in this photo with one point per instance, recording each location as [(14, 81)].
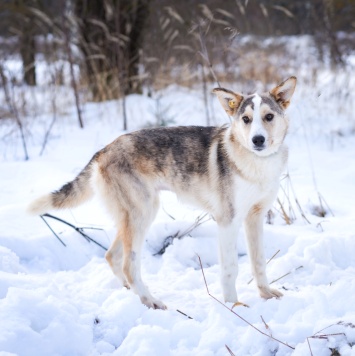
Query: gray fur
[(272, 104), (245, 103)]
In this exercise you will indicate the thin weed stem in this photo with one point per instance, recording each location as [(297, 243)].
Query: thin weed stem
[(232, 311)]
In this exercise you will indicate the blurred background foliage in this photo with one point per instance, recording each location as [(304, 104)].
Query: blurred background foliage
[(118, 47)]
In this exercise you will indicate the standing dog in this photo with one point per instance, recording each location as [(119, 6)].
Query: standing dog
[(231, 172)]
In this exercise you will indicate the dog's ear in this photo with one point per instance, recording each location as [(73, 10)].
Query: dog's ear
[(284, 91), (230, 101)]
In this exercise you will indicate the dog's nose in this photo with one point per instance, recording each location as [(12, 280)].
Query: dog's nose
[(258, 141)]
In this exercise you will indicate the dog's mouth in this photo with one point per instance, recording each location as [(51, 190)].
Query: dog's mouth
[(258, 148), (261, 150)]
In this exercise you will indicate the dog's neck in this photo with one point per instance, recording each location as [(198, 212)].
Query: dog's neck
[(251, 166)]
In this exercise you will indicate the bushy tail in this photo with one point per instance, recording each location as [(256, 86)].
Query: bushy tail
[(69, 195)]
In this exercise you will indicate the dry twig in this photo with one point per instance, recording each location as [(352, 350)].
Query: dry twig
[(13, 109), (267, 327), (80, 230), (232, 311), (288, 190), (277, 279), (229, 350), (179, 235), (179, 311), (324, 337)]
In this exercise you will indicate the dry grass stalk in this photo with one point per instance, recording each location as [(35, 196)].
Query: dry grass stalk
[(13, 110), (324, 337), (232, 311), (289, 192), (203, 27), (321, 199), (321, 210), (277, 279), (229, 350), (267, 327), (284, 214), (54, 119)]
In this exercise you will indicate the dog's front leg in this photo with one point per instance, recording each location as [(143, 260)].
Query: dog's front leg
[(254, 232), (228, 257)]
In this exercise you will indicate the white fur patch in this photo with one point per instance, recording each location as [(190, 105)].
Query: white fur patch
[(41, 205), (257, 103), (257, 128)]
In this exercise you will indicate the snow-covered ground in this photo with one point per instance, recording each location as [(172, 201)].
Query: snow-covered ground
[(58, 300)]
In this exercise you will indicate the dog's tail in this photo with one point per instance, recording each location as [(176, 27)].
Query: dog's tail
[(69, 195)]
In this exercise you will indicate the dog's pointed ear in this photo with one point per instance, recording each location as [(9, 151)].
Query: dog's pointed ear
[(284, 91), (230, 101)]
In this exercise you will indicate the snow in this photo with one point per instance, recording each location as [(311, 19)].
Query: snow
[(58, 300)]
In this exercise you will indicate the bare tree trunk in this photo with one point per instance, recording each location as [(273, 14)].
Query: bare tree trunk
[(121, 69), (335, 53), (138, 19), (111, 38), (28, 52), (66, 26), (14, 111), (73, 82)]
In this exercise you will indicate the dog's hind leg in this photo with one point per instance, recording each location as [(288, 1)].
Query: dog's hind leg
[(137, 222), (114, 257), (254, 232), (133, 202)]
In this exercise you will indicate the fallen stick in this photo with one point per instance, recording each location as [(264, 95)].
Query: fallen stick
[(179, 311), (77, 229)]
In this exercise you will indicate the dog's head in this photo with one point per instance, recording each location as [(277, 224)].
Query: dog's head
[(259, 121)]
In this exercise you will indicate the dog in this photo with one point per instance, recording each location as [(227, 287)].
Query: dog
[(231, 172)]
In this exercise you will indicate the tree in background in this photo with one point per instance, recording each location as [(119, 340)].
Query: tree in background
[(18, 19), (28, 48), (111, 34)]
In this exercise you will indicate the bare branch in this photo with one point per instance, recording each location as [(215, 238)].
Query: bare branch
[(229, 350), (77, 229), (232, 311), (179, 311), (201, 219)]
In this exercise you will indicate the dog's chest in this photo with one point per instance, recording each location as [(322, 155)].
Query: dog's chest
[(260, 185), (252, 191)]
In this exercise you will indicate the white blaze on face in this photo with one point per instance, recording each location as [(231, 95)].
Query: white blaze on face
[(257, 128)]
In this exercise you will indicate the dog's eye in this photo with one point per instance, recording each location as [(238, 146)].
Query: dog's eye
[(269, 117), (246, 119)]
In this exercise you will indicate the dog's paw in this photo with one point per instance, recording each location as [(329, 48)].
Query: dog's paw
[(240, 304), (153, 303), (126, 284), (268, 293)]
